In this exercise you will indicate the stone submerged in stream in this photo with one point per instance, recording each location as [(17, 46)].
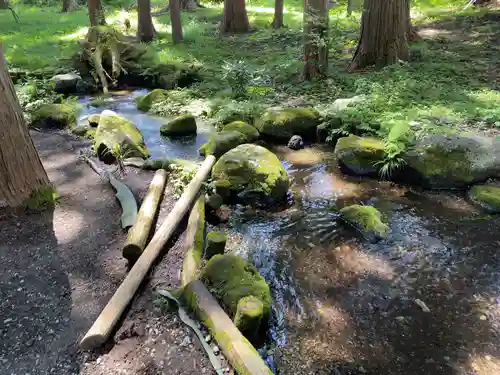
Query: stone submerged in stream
[(55, 116), (453, 161), (180, 126), (486, 196), (145, 102), (251, 133), (230, 278), (284, 123), (251, 174), (359, 155), (295, 143), (221, 142), (116, 132), (367, 220)]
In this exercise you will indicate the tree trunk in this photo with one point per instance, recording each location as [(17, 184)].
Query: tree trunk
[(235, 17), (145, 29), (384, 34), (188, 5), (278, 14), (350, 5), (96, 13), (69, 6), (315, 38), (175, 20), (21, 171)]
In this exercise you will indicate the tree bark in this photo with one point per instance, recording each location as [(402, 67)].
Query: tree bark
[(189, 5), (315, 38), (145, 29), (235, 17), (96, 13), (384, 34), (21, 171), (175, 20), (278, 14), (69, 6), (350, 5)]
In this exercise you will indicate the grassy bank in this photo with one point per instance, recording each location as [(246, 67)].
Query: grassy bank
[(452, 80)]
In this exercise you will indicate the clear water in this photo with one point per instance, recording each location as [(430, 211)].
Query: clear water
[(424, 301)]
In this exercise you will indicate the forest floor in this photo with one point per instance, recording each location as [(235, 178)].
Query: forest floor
[(59, 268)]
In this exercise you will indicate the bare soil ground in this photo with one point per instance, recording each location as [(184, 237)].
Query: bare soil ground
[(59, 268)]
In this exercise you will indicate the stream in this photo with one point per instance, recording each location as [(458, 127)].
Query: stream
[(424, 301)]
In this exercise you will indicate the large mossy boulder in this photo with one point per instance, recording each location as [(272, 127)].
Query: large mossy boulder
[(367, 220), (66, 83), (230, 278), (453, 161), (222, 142), (55, 116), (283, 123), (251, 174), (115, 132), (486, 196), (248, 130), (360, 155), (180, 126), (145, 102)]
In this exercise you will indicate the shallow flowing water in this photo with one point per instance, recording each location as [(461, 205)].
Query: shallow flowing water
[(424, 301)]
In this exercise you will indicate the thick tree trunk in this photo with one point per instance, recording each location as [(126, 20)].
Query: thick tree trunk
[(21, 171), (235, 17), (96, 13), (175, 20), (350, 5), (315, 38), (145, 29), (278, 14), (189, 5), (384, 34), (69, 6)]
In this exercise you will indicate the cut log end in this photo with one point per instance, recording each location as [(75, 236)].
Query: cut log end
[(132, 252), (92, 341)]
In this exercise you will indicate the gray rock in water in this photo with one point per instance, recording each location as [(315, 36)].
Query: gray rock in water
[(453, 161), (296, 143), (66, 83)]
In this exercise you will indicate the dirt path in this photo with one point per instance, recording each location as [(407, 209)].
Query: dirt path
[(59, 268)]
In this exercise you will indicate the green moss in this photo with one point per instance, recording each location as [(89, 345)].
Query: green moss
[(251, 170), (55, 116), (284, 123), (486, 196), (182, 125), (117, 132), (144, 102), (360, 155), (220, 143), (216, 243), (80, 130), (42, 199), (230, 278), (249, 131), (366, 219), (195, 240), (249, 315), (98, 102)]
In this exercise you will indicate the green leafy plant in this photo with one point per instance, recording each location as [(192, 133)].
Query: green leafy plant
[(238, 76), (42, 199), (395, 145)]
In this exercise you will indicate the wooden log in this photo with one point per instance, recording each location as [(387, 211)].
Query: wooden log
[(249, 315), (216, 243), (194, 242), (102, 327), (139, 234), (237, 349)]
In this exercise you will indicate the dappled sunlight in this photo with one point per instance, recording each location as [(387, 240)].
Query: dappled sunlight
[(68, 224), (484, 364)]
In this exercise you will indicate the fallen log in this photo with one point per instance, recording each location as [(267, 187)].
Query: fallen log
[(237, 349), (194, 242), (105, 322), (139, 234)]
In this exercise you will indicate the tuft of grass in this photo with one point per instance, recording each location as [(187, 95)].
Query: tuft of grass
[(42, 199)]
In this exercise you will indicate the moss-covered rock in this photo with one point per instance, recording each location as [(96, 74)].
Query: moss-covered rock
[(248, 130), (155, 164), (222, 142), (486, 196), (284, 123), (80, 130), (58, 116), (248, 317), (180, 126), (453, 161), (251, 174), (230, 278), (144, 102), (216, 243), (117, 133), (99, 102), (360, 155), (367, 220)]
